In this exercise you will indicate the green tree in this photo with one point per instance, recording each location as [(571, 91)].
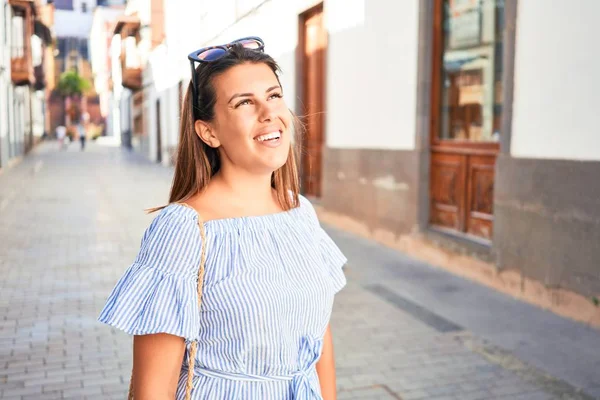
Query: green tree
[(72, 86)]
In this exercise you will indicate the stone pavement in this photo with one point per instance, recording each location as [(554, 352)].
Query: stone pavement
[(71, 222)]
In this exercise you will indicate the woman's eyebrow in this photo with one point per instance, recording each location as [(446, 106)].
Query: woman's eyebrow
[(251, 94), (239, 95)]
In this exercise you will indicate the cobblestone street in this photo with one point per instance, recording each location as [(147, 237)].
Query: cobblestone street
[(71, 222)]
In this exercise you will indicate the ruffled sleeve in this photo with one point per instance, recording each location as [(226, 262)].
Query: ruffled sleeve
[(158, 292), (334, 260), (331, 254)]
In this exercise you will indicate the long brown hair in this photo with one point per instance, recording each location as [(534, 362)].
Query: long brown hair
[(196, 162)]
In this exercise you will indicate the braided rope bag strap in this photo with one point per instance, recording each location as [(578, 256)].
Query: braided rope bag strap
[(194, 345)]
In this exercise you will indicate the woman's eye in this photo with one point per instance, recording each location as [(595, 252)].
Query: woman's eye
[(276, 95), (242, 103)]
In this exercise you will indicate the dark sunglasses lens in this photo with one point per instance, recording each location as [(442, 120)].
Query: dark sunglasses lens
[(250, 44), (211, 54)]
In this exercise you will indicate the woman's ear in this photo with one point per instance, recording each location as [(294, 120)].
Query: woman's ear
[(206, 134)]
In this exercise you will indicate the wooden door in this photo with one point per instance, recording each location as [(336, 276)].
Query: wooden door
[(314, 45), (466, 110)]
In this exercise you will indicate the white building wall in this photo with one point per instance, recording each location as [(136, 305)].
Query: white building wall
[(22, 109), (115, 72), (141, 8), (37, 112), (372, 73), (173, 117), (14, 101), (5, 84), (20, 98), (100, 54), (169, 122), (557, 81)]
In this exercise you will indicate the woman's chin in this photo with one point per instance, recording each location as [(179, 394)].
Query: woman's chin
[(275, 162), (274, 167)]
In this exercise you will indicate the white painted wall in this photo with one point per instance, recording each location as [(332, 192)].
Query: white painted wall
[(100, 39), (5, 84), (14, 101), (100, 54), (372, 73), (117, 118), (141, 8), (557, 81)]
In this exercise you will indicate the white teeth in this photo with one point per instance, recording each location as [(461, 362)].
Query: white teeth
[(269, 136)]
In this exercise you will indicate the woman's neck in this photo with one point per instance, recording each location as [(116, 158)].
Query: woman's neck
[(249, 187), (244, 190)]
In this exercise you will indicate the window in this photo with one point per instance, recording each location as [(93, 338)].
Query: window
[(84, 7), (471, 84), (18, 33), (63, 4)]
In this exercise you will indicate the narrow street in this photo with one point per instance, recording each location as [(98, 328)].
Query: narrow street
[(71, 222)]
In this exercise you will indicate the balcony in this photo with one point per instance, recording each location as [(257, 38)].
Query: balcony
[(132, 78), (128, 28), (20, 60), (21, 70)]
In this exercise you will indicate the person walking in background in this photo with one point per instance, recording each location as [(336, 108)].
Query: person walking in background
[(81, 133), (61, 133), (232, 290)]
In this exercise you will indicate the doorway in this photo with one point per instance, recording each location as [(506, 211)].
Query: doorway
[(313, 48), (466, 113)]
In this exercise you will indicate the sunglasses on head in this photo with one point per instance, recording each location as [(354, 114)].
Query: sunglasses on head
[(213, 53)]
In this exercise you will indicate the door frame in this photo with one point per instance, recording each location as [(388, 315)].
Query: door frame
[(428, 96), (301, 92)]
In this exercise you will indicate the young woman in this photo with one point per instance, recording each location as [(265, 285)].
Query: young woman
[(232, 290)]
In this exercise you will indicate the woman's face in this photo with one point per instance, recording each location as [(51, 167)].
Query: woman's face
[(252, 124)]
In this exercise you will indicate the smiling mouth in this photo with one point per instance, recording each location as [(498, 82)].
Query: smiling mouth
[(269, 136)]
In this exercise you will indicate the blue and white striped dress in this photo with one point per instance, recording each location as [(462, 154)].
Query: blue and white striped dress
[(268, 293)]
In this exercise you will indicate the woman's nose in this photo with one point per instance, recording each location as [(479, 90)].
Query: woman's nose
[(267, 113)]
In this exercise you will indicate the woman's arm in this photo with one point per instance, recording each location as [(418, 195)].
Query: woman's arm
[(326, 368), (157, 362)]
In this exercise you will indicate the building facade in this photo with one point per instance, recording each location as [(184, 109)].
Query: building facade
[(464, 125), (101, 34), (25, 46), (142, 87)]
